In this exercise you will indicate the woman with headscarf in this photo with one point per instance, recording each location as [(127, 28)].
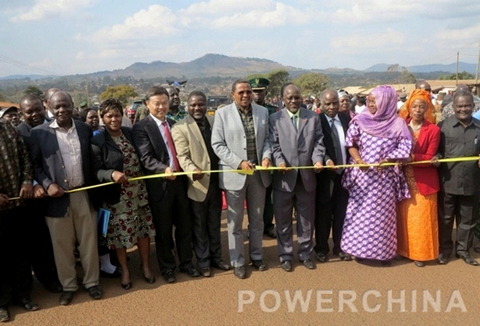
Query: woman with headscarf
[(417, 224), (377, 135)]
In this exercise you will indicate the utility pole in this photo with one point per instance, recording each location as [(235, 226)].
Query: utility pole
[(476, 75), (456, 78), (86, 90)]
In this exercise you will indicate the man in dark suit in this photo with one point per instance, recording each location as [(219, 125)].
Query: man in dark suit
[(61, 158), (296, 139), (332, 198), (41, 251), (167, 196)]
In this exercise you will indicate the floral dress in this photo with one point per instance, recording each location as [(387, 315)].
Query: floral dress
[(130, 218)]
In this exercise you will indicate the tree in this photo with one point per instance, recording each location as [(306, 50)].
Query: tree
[(461, 76), (123, 93), (277, 79), (33, 90), (406, 77), (311, 83)]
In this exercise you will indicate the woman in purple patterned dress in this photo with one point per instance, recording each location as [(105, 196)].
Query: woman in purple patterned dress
[(376, 135)]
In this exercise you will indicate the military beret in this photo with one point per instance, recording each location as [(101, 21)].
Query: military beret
[(259, 83)]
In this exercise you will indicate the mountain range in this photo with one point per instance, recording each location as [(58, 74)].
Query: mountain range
[(223, 66)]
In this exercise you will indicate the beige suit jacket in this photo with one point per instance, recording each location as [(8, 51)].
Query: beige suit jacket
[(192, 153)]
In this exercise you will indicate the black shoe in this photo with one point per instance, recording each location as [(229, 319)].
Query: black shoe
[(323, 258), (344, 256), (66, 297), (95, 292), (205, 271), (149, 280), (53, 287), (116, 274), (308, 264), (419, 263), (443, 259), (191, 271), (259, 264), (127, 286), (467, 259), (287, 266), (220, 264), (27, 304), (270, 233), (4, 314), (169, 276), (240, 272)]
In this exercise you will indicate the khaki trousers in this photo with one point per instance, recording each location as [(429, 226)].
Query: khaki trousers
[(78, 226)]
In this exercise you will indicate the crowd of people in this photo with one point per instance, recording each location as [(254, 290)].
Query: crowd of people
[(370, 177)]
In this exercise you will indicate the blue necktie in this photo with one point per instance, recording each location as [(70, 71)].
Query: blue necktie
[(294, 121)]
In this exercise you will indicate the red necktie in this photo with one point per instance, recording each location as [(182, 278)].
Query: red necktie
[(176, 166)]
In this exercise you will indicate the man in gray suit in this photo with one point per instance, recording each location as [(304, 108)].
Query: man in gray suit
[(297, 140), (240, 140)]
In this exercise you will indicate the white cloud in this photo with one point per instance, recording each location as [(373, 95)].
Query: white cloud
[(151, 23), (47, 8), (368, 41)]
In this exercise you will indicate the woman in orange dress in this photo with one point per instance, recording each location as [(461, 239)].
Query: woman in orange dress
[(417, 225)]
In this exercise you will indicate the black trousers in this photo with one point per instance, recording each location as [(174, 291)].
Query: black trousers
[(15, 271), (206, 226), (331, 207), (462, 209), (41, 250), (268, 211), (173, 210)]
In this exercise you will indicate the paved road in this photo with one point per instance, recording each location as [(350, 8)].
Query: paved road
[(336, 293)]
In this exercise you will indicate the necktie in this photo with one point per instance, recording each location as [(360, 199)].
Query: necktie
[(336, 145), (294, 121), (171, 147)]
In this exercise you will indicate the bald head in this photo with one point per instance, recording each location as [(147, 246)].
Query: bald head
[(423, 84), (330, 103), (292, 98)]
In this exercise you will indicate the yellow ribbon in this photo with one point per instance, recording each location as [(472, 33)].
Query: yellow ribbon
[(272, 168)]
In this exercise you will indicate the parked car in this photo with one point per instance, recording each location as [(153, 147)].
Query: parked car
[(132, 110)]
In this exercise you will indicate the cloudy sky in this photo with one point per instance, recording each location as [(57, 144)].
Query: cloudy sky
[(82, 36)]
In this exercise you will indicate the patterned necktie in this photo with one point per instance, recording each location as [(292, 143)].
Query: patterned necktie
[(336, 145), (171, 147), (294, 121)]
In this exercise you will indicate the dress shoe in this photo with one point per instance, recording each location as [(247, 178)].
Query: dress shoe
[(240, 272), (169, 276), (443, 259), (205, 271), (259, 264), (287, 266), (323, 258), (53, 287), (27, 304), (419, 263), (467, 259), (308, 264), (66, 297), (220, 264), (95, 292), (116, 274), (149, 280), (4, 314), (344, 256), (127, 286), (270, 233), (191, 271)]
